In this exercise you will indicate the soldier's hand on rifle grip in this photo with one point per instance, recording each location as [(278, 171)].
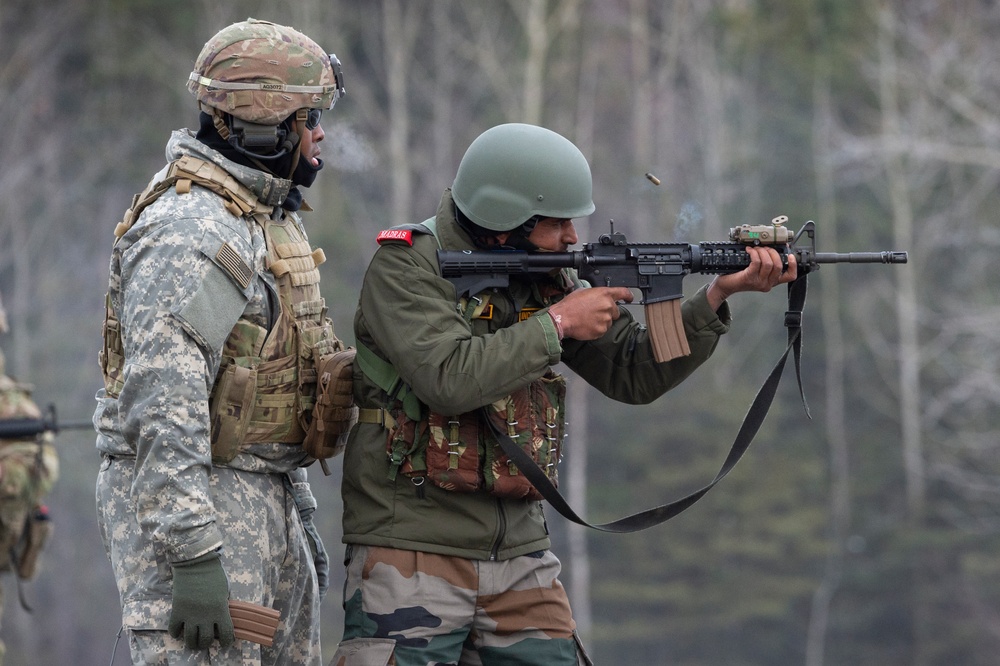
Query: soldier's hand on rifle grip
[(587, 314), (763, 274)]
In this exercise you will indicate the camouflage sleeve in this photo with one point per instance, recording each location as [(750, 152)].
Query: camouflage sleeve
[(176, 307), (28, 467), (621, 364), (410, 312)]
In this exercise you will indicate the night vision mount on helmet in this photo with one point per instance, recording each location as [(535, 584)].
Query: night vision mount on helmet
[(514, 172), (253, 75)]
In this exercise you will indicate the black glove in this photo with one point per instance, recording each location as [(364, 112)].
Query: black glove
[(201, 603)]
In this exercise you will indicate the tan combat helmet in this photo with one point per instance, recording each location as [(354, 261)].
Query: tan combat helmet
[(260, 73)]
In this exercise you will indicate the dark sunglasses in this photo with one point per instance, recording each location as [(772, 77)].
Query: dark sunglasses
[(312, 120)]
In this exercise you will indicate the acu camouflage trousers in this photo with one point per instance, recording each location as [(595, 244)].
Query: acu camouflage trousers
[(410, 608), (265, 554)]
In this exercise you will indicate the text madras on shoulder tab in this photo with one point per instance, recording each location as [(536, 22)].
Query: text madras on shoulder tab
[(405, 235)]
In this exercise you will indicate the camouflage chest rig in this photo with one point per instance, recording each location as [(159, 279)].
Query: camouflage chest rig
[(461, 452), (288, 385)]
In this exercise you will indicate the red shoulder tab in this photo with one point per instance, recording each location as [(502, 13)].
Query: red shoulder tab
[(404, 235)]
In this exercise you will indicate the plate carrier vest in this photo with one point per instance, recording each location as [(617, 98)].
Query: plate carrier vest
[(266, 388)]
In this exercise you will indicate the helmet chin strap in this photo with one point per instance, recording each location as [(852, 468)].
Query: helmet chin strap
[(518, 237), (299, 126), (238, 133), (518, 240)]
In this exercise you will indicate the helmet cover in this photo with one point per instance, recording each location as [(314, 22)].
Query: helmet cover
[(262, 72)]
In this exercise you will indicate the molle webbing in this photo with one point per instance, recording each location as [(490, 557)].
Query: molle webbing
[(284, 375), (182, 174), (298, 260), (112, 355)]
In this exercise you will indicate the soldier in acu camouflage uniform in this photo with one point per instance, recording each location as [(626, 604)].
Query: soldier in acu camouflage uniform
[(28, 468), (213, 332), (448, 556)]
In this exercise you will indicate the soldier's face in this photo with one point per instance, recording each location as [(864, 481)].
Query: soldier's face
[(310, 143), (553, 234)]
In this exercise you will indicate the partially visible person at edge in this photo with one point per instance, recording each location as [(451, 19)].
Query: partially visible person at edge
[(448, 555), (28, 469), (213, 322)]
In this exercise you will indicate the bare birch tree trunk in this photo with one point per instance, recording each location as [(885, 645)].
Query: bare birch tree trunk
[(537, 33), (906, 301), (399, 34), (835, 361), (576, 494), (906, 314), (444, 85), (578, 403), (641, 94)]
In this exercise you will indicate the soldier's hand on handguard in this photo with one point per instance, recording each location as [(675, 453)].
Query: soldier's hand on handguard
[(763, 274), (587, 314)]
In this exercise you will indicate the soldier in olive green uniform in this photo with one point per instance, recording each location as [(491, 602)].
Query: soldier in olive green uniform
[(28, 468), (448, 558), (213, 334)]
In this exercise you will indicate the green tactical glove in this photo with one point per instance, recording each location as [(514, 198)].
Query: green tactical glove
[(305, 502), (201, 603)]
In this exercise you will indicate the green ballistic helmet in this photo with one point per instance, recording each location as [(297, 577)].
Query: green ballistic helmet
[(514, 172), (262, 73)]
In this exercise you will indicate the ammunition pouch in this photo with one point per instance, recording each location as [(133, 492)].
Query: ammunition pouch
[(30, 469), (334, 412), (534, 417), (36, 533), (460, 454)]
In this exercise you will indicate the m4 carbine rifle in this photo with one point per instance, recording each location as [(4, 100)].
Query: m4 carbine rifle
[(26, 428), (656, 269)]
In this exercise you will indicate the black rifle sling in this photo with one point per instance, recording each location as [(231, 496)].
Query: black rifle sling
[(751, 424)]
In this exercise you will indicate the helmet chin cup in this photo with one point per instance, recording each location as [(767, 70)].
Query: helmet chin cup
[(262, 142)]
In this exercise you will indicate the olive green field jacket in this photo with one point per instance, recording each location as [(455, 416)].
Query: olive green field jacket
[(408, 315)]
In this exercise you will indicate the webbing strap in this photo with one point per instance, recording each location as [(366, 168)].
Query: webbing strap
[(386, 378), (382, 373), (751, 424)]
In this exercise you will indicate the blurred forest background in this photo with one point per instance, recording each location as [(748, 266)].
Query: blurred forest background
[(866, 535)]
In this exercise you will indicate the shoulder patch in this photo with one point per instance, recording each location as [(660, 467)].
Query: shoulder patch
[(403, 233), (230, 260)]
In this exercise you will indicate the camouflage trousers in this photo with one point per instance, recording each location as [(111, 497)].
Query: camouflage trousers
[(265, 554), (409, 608)]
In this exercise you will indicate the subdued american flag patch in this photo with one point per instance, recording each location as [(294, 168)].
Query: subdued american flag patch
[(231, 261)]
